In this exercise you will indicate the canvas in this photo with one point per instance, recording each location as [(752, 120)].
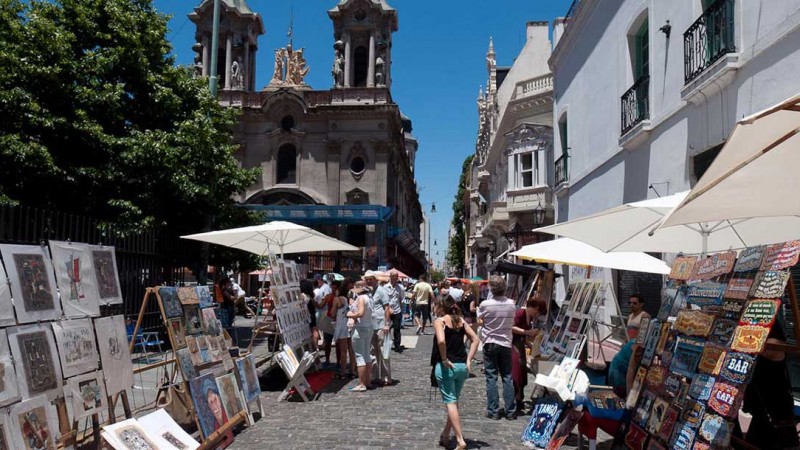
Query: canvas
[(210, 321), (194, 323), (186, 364), (75, 279), (248, 377), (188, 295), (178, 329), (214, 349), (33, 285), (166, 433), (9, 391), (33, 424), (230, 394), (115, 355), (6, 306), (87, 393), (35, 361), (77, 348), (5, 439), (194, 350), (104, 260), (204, 348), (207, 404), (129, 435), (169, 298), (204, 297)]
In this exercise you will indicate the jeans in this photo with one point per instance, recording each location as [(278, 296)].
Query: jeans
[(497, 361), (397, 320)]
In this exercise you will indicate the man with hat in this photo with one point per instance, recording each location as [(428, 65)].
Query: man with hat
[(381, 320)]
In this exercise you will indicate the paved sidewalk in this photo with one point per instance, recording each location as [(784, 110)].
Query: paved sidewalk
[(408, 415)]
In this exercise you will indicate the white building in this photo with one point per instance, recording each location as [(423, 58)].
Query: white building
[(646, 92)]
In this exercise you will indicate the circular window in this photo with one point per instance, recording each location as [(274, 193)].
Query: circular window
[(287, 123), (358, 165), (361, 15)]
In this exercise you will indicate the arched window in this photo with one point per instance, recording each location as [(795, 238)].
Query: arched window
[(287, 165), (360, 66)]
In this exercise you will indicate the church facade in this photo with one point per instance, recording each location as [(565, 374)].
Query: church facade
[(340, 160)]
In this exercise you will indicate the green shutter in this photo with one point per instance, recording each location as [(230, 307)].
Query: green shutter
[(642, 41)]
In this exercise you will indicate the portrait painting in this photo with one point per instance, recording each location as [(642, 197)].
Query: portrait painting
[(9, 392), (75, 279), (207, 404), (33, 424), (204, 297), (6, 305), (178, 329), (77, 348), (212, 324), (87, 393), (194, 322), (166, 432), (188, 295), (248, 377), (33, 285), (169, 298), (129, 435), (104, 261), (115, 356), (229, 394), (35, 360), (186, 363)]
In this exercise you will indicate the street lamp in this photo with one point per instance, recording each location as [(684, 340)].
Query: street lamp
[(539, 215)]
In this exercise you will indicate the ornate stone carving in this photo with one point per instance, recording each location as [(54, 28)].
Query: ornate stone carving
[(290, 68), (338, 69), (237, 74)]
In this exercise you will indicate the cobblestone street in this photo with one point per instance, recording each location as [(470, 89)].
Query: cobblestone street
[(408, 415)]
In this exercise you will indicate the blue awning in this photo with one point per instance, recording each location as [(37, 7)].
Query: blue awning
[(326, 214)]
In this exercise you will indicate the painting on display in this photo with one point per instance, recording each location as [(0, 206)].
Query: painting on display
[(75, 279), (187, 365), (115, 355), (544, 418), (193, 349), (169, 298), (781, 256), (9, 392), (750, 259), (35, 360), (207, 404), (161, 427), (78, 352), (5, 439), (178, 329), (6, 306), (212, 324), (104, 260), (713, 266), (33, 424), (770, 284), (204, 297), (229, 394), (194, 322), (129, 435), (248, 377), (188, 295), (88, 394), (33, 284), (683, 267)]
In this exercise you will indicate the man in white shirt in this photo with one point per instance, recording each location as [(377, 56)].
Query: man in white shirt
[(497, 317), (381, 321), (455, 291), (423, 296), (396, 293)]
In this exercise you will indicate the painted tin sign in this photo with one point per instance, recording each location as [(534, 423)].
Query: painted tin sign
[(781, 256), (713, 266), (738, 288), (760, 312)]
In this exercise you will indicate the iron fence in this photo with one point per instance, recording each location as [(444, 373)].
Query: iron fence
[(709, 38), (561, 172), (635, 104)]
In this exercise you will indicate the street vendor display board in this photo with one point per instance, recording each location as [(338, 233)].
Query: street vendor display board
[(291, 311), (573, 318), (701, 349)]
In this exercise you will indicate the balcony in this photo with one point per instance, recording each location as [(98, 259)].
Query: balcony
[(708, 39), (534, 86), (635, 104), (562, 174)]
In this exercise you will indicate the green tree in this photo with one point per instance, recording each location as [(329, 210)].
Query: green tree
[(99, 121), (455, 254)]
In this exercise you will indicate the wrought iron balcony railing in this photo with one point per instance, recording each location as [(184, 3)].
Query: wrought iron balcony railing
[(708, 39), (635, 103), (561, 170)]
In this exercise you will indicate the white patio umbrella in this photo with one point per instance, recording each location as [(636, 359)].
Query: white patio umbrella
[(279, 237), (575, 253), (753, 179), (629, 228)]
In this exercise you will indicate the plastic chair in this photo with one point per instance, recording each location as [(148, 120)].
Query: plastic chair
[(144, 340)]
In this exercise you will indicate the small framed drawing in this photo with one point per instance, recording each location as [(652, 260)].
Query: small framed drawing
[(87, 393), (78, 351), (8, 376), (75, 279), (115, 355), (104, 261), (33, 284), (33, 424), (36, 361), (178, 328)]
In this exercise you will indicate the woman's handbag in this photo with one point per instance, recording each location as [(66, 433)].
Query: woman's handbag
[(175, 399)]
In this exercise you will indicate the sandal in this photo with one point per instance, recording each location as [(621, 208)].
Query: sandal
[(358, 389), (443, 440)]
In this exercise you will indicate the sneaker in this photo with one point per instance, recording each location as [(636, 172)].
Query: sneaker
[(493, 416), (419, 330)]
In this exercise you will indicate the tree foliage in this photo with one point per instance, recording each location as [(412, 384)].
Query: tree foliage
[(455, 254), (99, 121)]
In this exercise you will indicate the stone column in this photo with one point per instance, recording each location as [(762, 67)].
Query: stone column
[(228, 60), (371, 67), (253, 69), (348, 61), (206, 55), (246, 65)]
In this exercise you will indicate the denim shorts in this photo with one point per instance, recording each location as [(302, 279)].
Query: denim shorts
[(451, 381)]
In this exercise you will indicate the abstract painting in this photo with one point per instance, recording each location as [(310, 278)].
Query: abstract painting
[(178, 329), (229, 393), (33, 284), (88, 394), (35, 360), (187, 365), (207, 404), (248, 377), (204, 297), (160, 426), (78, 351), (75, 279), (6, 306), (115, 356), (9, 392), (33, 424), (188, 295), (104, 261), (169, 298)]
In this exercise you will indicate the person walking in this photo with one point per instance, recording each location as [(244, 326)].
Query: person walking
[(523, 331), (423, 297), (360, 325), (381, 320), (344, 350), (497, 317), (395, 292), (452, 364)]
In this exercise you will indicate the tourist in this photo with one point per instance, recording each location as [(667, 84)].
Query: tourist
[(522, 331), (307, 296), (452, 364), (455, 291), (497, 318), (323, 297), (227, 303), (344, 350), (359, 324), (469, 304), (381, 320), (423, 297), (619, 368), (394, 290), (636, 316)]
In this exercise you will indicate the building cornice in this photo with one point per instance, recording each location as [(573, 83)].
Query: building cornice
[(572, 27)]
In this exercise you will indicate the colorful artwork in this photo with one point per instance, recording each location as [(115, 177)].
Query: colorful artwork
[(711, 359), (716, 429), (33, 424), (636, 388), (186, 363), (770, 284), (684, 437), (544, 418), (210, 321), (75, 279), (204, 297), (651, 341), (686, 358), (700, 445), (33, 284), (781, 256), (641, 415), (672, 384), (229, 394), (750, 259), (660, 407), (701, 387), (207, 403), (106, 275), (563, 430), (655, 377), (760, 312), (722, 331), (248, 378), (115, 356), (188, 295), (644, 324), (88, 393), (694, 323), (78, 351), (194, 322), (35, 359), (707, 293), (738, 288), (682, 268), (725, 399), (178, 329), (737, 367), (713, 266), (194, 350), (668, 424), (662, 337), (134, 438), (693, 413), (732, 309), (635, 438), (169, 298), (667, 297), (683, 395), (9, 391)]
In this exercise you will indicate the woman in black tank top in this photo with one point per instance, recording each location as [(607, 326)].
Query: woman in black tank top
[(452, 364)]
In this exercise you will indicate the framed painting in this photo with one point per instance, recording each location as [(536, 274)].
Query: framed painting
[(9, 391), (214, 349), (207, 404), (161, 427), (104, 261), (115, 356), (75, 279), (187, 295), (194, 322), (186, 363), (248, 378), (88, 394), (194, 350), (33, 424), (169, 298), (178, 329), (129, 435), (33, 285), (36, 361), (211, 323), (750, 259), (6, 305), (204, 297), (77, 348), (229, 394), (564, 429)]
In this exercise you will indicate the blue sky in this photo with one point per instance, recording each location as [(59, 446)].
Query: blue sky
[(438, 65)]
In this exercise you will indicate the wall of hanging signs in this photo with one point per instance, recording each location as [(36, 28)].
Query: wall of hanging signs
[(700, 351)]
